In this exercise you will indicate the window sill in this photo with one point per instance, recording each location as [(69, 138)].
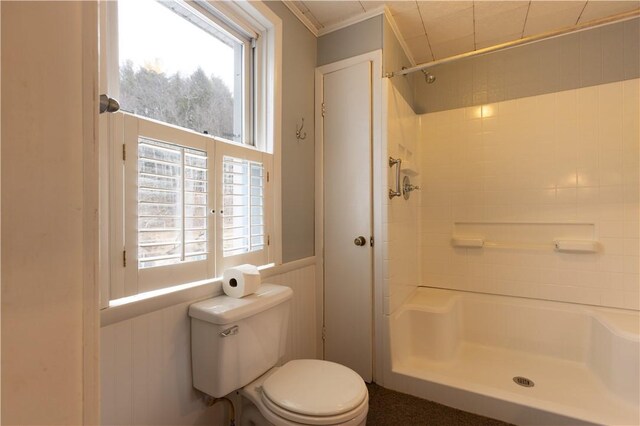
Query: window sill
[(140, 304)]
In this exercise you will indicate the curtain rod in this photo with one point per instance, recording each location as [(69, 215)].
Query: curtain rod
[(519, 42)]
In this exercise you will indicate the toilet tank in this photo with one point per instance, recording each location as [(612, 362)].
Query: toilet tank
[(234, 341)]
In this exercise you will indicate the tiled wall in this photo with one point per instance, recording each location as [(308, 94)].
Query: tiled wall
[(558, 158), (146, 361), (401, 250), (596, 56)]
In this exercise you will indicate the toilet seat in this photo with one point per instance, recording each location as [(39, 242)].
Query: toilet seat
[(310, 392), (313, 420)]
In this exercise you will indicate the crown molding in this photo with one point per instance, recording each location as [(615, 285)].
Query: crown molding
[(350, 21), (301, 17)]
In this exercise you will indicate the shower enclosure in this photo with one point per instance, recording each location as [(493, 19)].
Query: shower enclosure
[(510, 282)]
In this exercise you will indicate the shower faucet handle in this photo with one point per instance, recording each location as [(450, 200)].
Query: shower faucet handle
[(409, 187)]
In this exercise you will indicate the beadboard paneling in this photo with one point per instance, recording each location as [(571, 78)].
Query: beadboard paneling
[(302, 320), (146, 361)]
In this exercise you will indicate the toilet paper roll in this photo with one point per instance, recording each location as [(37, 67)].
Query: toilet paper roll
[(241, 280)]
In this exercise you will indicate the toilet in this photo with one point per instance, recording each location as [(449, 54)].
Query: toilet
[(235, 346)]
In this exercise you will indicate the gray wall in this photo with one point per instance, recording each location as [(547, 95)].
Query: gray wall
[(298, 161), (395, 59), (587, 58), (353, 40)]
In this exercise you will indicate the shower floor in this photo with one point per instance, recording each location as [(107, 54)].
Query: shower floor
[(562, 387)]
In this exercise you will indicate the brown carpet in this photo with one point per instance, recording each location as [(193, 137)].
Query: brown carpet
[(390, 408)]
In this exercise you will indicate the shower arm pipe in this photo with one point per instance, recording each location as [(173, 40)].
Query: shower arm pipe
[(523, 41), (398, 163)]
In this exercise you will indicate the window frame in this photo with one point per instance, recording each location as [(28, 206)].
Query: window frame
[(265, 107), (243, 33)]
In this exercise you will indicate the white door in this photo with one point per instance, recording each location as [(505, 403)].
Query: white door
[(348, 268)]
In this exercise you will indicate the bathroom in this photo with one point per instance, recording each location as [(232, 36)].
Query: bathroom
[(449, 189)]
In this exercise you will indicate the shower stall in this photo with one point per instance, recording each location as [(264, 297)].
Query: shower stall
[(510, 281)]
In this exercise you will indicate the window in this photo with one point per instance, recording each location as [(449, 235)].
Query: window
[(185, 66), (185, 185)]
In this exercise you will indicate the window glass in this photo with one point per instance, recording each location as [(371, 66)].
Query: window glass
[(180, 68)]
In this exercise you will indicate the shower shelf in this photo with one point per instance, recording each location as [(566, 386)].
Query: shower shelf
[(562, 246), (545, 236)]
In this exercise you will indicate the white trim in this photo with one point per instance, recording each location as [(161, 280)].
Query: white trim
[(378, 145), (319, 209), (398, 34), (148, 302), (0, 208), (263, 15), (379, 206), (351, 21), (301, 17)]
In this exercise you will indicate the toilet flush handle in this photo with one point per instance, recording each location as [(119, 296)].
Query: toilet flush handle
[(230, 331)]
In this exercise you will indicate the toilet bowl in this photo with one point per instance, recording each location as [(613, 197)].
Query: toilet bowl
[(308, 392)]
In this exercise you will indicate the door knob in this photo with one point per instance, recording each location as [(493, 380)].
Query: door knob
[(360, 241), (108, 104)]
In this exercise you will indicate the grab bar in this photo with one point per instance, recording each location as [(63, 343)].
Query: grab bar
[(398, 163)]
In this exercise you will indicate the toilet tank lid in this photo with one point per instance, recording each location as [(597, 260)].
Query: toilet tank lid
[(225, 310)]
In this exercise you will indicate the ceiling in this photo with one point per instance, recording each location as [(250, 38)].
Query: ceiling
[(433, 30)]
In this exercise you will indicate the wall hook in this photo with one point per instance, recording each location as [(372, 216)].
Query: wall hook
[(299, 135)]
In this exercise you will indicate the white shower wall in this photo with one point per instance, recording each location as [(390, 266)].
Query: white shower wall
[(565, 157), (401, 218)]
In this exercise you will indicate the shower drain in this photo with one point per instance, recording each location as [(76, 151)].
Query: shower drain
[(523, 381)]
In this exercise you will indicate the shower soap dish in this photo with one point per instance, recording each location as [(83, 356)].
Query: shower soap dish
[(576, 246), (467, 242)]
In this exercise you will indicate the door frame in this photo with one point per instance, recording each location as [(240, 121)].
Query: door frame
[(377, 147)]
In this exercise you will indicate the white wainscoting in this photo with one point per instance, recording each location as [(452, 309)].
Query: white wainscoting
[(303, 328), (146, 360)]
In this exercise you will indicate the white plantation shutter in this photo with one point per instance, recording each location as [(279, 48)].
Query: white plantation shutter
[(190, 206), (243, 227), (169, 228), (242, 235)]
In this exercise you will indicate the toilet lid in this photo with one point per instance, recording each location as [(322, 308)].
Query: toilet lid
[(315, 388)]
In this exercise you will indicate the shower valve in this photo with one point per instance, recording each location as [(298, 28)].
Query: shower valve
[(407, 187)]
